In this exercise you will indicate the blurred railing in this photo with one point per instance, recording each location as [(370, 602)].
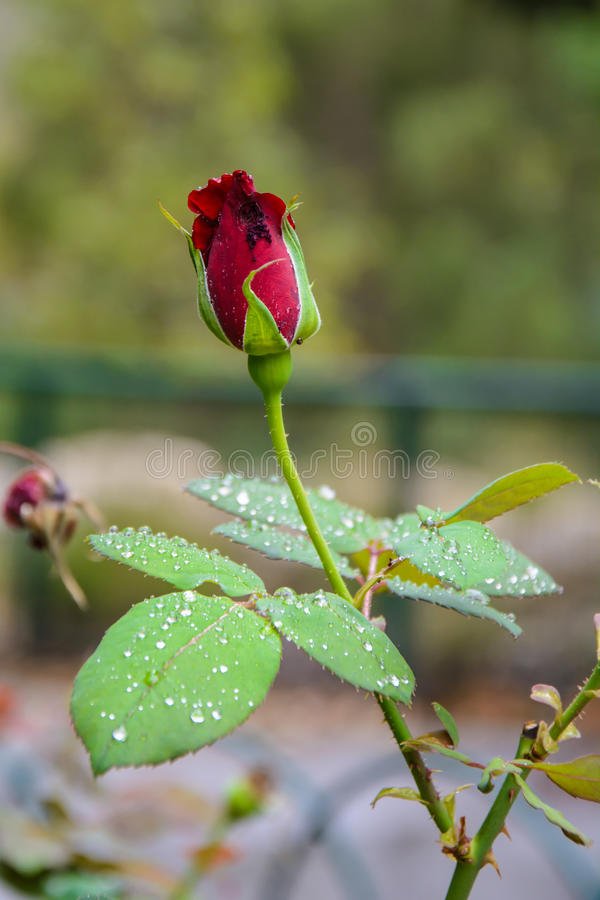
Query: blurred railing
[(394, 383), (37, 382), (405, 389)]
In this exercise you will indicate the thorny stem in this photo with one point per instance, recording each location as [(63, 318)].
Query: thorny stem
[(466, 871), (577, 705), (416, 765), (398, 727), (274, 410)]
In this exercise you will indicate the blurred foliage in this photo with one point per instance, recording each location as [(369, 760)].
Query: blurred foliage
[(64, 836), (446, 152)]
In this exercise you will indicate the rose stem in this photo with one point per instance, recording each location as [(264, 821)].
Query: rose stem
[(395, 721)]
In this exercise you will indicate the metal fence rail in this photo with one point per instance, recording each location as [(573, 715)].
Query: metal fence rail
[(395, 383), (39, 382)]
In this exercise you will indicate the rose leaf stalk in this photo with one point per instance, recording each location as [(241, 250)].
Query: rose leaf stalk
[(271, 373)]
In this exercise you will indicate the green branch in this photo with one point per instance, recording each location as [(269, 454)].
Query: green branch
[(466, 871), (419, 771)]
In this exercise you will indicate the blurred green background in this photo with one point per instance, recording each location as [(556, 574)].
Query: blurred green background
[(447, 154)]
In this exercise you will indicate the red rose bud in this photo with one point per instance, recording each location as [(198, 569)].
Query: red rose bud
[(253, 288)]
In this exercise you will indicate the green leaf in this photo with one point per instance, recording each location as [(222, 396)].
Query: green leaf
[(520, 578), (553, 815), (82, 886), (346, 528), (400, 793), (172, 675), (579, 777), (548, 694), (448, 721), (513, 490), (463, 554), (393, 531), (429, 516), (278, 544), (332, 631), (182, 564), (469, 603), (268, 501), (450, 799)]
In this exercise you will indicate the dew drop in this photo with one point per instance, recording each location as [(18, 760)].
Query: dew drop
[(326, 492)]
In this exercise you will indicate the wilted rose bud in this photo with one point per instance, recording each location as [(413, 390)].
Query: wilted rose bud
[(253, 289), (39, 502), (30, 498)]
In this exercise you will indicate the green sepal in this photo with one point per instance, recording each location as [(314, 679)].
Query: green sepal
[(205, 307), (309, 320), (261, 333)]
